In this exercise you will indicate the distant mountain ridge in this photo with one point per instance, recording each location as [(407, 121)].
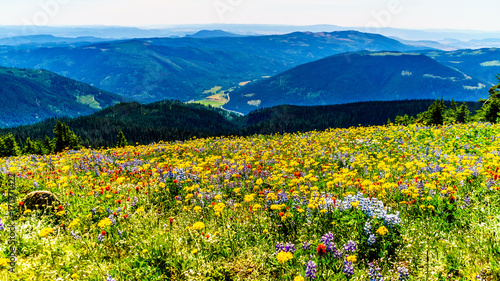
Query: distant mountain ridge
[(153, 69), (212, 34), (359, 77), (44, 39), (29, 96)]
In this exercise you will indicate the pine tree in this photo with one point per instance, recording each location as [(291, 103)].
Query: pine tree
[(48, 145), (491, 107), (435, 114), (8, 146), (30, 147), (462, 114), (65, 138), (122, 141)]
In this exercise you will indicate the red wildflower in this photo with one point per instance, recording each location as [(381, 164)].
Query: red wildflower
[(321, 249)]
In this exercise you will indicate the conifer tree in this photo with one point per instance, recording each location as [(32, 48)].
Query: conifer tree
[(122, 141), (8, 146), (491, 107), (65, 138)]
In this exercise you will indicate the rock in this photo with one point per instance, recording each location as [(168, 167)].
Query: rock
[(42, 199)]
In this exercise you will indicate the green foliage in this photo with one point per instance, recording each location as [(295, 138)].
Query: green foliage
[(491, 107), (65, 138), (122, 141), (435, 114), (9, 146)]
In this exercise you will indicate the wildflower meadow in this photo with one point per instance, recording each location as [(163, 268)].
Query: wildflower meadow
[(364, 203)]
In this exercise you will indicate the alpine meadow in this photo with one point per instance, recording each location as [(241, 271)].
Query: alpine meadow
[(231, 140)]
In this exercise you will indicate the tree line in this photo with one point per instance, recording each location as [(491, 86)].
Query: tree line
[(133, 123), (438, 113)]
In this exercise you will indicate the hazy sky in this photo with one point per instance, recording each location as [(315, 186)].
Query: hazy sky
[(421, 14)]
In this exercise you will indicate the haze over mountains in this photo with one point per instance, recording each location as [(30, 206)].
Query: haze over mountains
[(154, 69), (121, 32)]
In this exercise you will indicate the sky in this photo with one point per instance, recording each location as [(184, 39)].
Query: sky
[(412, 14)]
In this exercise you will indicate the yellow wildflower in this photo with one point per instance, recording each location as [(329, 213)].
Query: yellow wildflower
[(3, 261), (284, 256), (351, 258), (382, 230), (105, 222), (198, 225), (46, 231), (74, 223), (249, 197)]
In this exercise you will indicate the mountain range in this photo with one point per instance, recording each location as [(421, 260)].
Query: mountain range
[(154, 69), (357, 77), (30, 96), (251, 72)]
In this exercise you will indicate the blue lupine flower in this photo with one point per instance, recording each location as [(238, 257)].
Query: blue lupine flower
[(348, 268), (338, 254), (290, 247), (371, 239), (306, 245), (279, 247), (311, 270), (350, 246), (368, 227), (100, 237), (374, 273), (327, 240), (75, 236), (108, 278), (1, 225), (403, 273), (120, 233), (112, 218)]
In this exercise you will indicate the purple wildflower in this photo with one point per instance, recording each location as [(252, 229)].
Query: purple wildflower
[(350, 246), (306, 245), (279, 247), (290, 247), (374, 273), (311, 270), (348, 269), (75, 236), (403, 273)]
